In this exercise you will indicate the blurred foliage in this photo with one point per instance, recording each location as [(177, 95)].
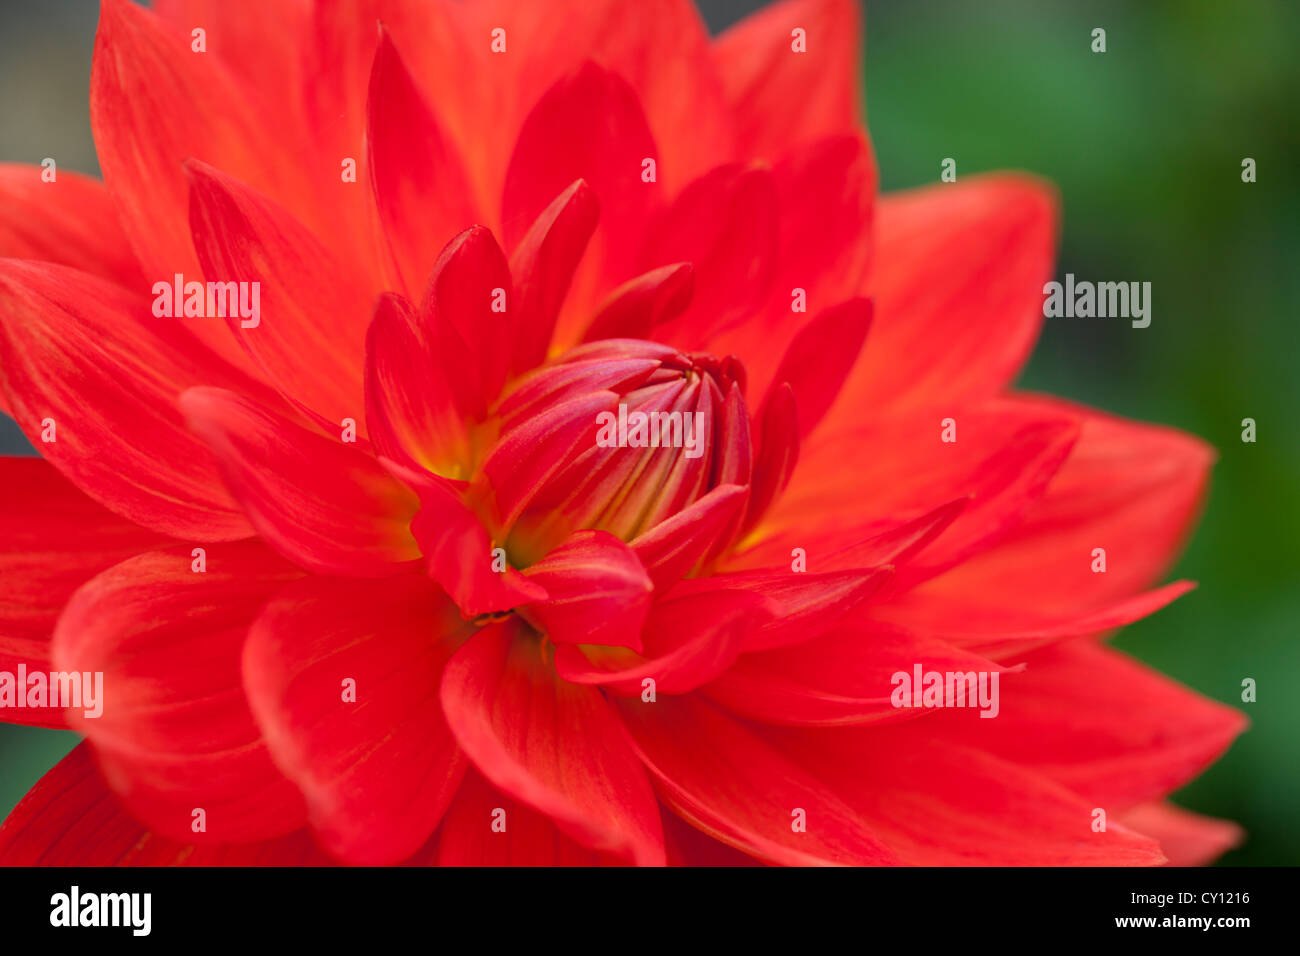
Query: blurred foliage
[(1145, 144)]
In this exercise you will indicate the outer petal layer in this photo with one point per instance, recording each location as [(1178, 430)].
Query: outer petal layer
[(1128, 488), (174, 733), (95, 387), (1100, 724), (958, 285), (844, 676), (937, 803), (343, 679), (70, 221), (1186, 838), (1003, 456), (55, 539), (70, 819), (724, 780), (155, 104)]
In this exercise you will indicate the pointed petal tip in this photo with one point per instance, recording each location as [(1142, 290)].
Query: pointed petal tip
[(116, 11)]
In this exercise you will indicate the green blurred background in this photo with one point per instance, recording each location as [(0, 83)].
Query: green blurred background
[(1145, 143)]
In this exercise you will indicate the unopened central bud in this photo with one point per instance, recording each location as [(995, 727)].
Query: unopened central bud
[(671, 427)]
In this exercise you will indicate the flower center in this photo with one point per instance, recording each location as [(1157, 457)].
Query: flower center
[(674, 428)]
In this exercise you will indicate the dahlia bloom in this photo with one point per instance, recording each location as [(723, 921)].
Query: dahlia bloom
[(365, 579)]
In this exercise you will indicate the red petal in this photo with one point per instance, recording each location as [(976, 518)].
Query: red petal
[(422, 191), (411, 412), (344, 38), (310, 333), (826, 192), (263, 47), (544, 264), (70, 819), (1186, 838), (1131, 489), (587, 126), (778, 451), (55, 539), (841, 677), (735, 457), (841, 546), (688, 642), (1004, 456), (458, 551), (520, 464), (958, 286), (553, 384), (553, 745), (638, 305), (484, 827), (684, 106), (597, 592), (1001, 490), (725, 224), (725, 781), (377, 768), (340, 40), (1004, 631), (154, 104), (70, 221), (672, 548), (1100, 724), (330, 508), (820, 357), (76, 350), (469, 278), (781, 97), (807, 604), (940, 804), (174, 731)]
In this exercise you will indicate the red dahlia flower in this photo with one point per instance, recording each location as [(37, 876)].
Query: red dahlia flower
[(392, 568)]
